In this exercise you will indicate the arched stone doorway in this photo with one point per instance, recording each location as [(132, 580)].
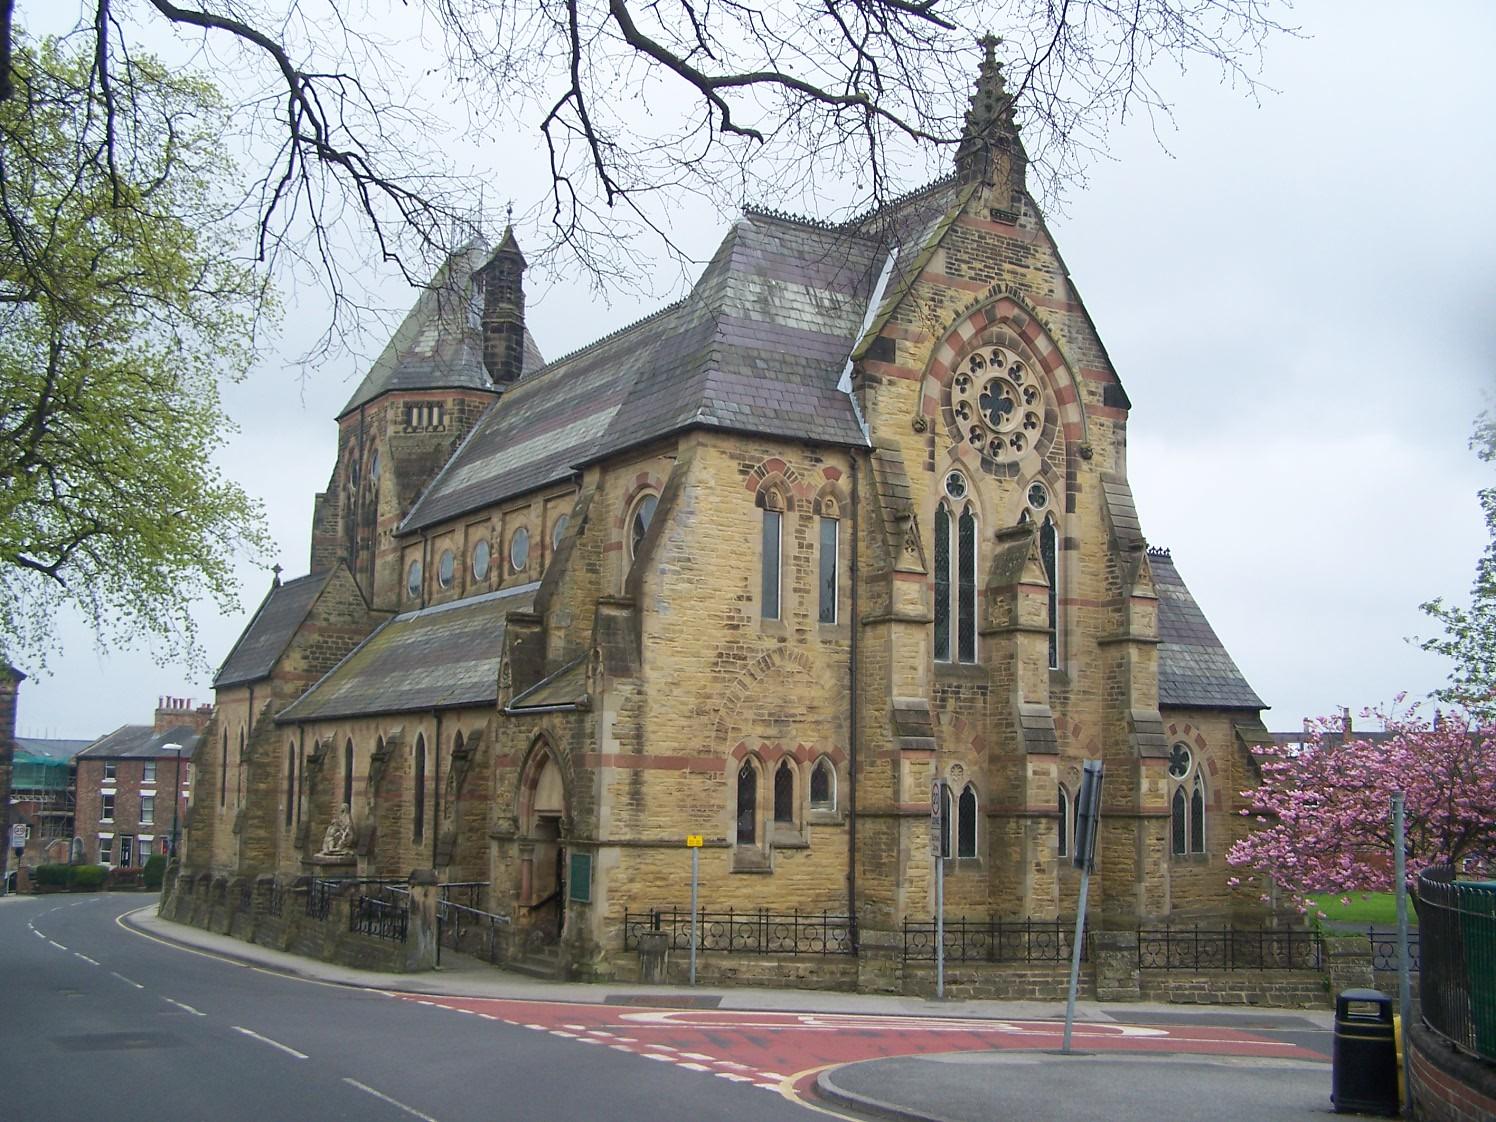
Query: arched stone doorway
[(543, 826)]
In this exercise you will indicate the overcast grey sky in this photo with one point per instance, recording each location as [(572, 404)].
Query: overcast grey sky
[(1298, 296)]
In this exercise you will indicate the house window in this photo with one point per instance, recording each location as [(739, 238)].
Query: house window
[(966, 823), (290, 783), (106, 807), (348, 775), (828, 581), (644, 512), (109, 770), (1062, 847), (955, 582), (418, 830), (148, 772), (147, 810), (106, 851), (784, 792), (769, 592), (823, 786), (747, 831)]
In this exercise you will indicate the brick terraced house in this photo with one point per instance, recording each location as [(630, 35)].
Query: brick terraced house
[(134, 785), (849, 520)]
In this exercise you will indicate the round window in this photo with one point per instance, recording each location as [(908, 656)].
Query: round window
[(997, 403), (955, 485), (1038, 497), (445, 569), (413, 579), (480, 560), (643, 515), (519, 550), (558, 531), (1179, 761)]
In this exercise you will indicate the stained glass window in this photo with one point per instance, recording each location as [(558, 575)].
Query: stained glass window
[(966, 830), (769, 592), (747, 804), (1178, 825), (828, 581), (821, 792), (1063, 847), (942, 584), (784, 792), (966, 612), (1049, 554), (418, 816), (1197, 817)]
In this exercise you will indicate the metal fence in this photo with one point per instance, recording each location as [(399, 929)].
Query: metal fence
[(319, 895), (383, 919), (469, 930), (1232, 948), (468, 893), (1457, 930), (752, 932), (1384, 948), (992, 940)]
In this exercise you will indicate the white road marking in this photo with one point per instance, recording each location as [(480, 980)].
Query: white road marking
[(56, 944), (693, 1067), (734, 1076), (575, 1028), (85, 958), (657, 1056), (183, 1005), (286, 1048), (127, 981), (620, 1047), (539, 1028), (35, 932), (660, 1047), (697, 1056), (772, 1075), (410, 1110), (568, 1035)]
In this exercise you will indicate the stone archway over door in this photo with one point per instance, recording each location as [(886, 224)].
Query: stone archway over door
[(543, 811)]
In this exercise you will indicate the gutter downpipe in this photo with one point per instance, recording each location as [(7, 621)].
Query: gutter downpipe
[(853, 717)]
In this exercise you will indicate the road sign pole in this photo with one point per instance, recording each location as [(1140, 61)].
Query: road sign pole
[(1404, 990), (1083, 844), (695, 875), (939, 926), (1080, 930)]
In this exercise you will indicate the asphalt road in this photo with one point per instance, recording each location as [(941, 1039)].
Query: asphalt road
[(99, 1022)]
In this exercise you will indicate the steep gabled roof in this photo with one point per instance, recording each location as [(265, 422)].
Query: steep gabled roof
[(436, 658), (439, 344), (1194, 668), (142, 742), (42, 750), (270, 630), (758, 346)]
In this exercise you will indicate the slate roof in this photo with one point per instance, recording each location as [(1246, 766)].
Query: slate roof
[(439, 344), (1194, 669), (436, 658), (270, 630), (758, 346), (567, 686), (132, 742)]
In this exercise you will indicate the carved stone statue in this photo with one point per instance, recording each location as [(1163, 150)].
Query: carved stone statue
[(338, 841)]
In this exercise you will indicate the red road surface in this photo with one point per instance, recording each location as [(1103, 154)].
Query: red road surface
[(769, 1048)]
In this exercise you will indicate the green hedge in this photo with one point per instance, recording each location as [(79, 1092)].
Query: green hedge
[(155, 872), (88, 878), (80, 878)]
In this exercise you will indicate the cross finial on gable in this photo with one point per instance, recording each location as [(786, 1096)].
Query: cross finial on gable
[(276, 571)]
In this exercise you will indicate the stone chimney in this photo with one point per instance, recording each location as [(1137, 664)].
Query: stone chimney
[(503, 281), (990, 151)]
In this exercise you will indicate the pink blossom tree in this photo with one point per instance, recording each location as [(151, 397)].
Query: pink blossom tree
[(1323, 809)]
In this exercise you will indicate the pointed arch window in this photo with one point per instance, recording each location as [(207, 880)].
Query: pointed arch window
[(784, 792), (239, 773), (770, 549), (966, 823), (418, 815), (1062, 846), (747, 829), (223, 772), (823, 786), (1178, 824), (947, 812), (1197, 816), (1049, 554), (1186, 803), (955, 579), (290, 782), (348, 775)]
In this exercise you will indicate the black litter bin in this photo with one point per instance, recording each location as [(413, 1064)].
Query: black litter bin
[(1364, 1078)]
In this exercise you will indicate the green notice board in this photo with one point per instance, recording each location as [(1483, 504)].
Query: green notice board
[(579, 878)]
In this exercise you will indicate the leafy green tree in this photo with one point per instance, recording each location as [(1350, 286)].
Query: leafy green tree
[(1469, 637), (121, 307)]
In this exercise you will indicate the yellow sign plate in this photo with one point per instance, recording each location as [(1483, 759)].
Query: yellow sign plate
[(693, 841)]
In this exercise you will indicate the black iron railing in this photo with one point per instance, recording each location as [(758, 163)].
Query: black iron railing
[(319, 894), (469, 930), (1384, 948), (1234, 948), (751, 932), (992, 940), (383, 919), (468, 893), (275, 899), (1457, 981)]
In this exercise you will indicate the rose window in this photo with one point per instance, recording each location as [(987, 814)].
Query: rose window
[(997, 403)]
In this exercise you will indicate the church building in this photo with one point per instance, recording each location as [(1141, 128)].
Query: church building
[(845, 531)]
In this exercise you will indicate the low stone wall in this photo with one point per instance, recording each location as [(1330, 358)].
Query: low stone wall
[(1448, 1086), (224, 906), (1284, 989), (997, 981)]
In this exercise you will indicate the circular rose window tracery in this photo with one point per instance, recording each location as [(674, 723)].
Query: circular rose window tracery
[(997, 403)]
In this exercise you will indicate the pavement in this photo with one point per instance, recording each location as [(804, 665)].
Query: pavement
[(1239, 1064)]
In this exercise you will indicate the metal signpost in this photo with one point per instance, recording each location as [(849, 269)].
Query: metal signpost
[(693, 843), (1404, 992), (937, 849), (1088, 814)]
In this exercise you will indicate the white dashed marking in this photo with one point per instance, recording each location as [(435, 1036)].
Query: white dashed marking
[(286, 1048), (410, 1110)]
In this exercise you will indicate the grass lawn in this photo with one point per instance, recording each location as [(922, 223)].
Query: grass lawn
[(1364, 910)]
